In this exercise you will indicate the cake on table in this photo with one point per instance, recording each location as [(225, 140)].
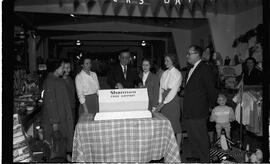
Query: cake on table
[(123, 104)]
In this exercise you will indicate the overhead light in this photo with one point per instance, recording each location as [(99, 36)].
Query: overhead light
[(143, 43), (33, 34), (72, 15), (78, 43), (42, 94)]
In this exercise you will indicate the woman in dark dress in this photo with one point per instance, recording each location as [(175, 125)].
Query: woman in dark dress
[(57, 114), (87, 87), (169, 103), (151, 82), (70, 87)]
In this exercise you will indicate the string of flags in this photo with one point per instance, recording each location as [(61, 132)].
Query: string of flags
[(143, 5)]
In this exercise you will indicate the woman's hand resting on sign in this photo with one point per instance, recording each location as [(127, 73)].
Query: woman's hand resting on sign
[(158, 108)]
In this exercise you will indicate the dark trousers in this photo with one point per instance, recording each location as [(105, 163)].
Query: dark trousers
[(198, 138)]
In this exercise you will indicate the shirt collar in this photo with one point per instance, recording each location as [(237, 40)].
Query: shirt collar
[(145, 74), (123, 66), (172, 69), (86, 72), (196, 64)]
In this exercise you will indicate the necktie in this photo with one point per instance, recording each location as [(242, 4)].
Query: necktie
[(125, 72)]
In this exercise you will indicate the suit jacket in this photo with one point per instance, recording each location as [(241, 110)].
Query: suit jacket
[(116, 75), (254, 78), (152, 85), (200, 93)]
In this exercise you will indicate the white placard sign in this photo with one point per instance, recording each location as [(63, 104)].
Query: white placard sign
[(117, 100)]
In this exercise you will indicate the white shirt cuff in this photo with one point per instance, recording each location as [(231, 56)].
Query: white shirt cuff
[(82, 100)]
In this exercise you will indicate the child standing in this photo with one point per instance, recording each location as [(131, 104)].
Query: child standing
[(222, 115)]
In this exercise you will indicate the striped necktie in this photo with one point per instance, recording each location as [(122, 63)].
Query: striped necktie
[(125, 72)]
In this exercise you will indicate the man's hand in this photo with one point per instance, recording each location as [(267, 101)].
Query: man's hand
[(119, 86), (85, 108), (158, 108), (140, 85)]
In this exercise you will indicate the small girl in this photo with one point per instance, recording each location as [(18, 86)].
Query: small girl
[(222, 115)]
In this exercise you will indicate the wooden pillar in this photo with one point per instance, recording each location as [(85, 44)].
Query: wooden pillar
[(32, 52)]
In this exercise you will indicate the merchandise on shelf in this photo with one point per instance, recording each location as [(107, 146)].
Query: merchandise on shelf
[(21, 150), (26, 91)]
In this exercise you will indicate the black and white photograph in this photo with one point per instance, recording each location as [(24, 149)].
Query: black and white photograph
[(135, 81)]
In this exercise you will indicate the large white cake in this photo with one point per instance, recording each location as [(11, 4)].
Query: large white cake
[(123, 104)]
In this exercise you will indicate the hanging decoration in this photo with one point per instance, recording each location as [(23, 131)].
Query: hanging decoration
[(204, 5), (180, 9), (191, 6), (168, 6), (130, 6), (143, 7), (201, 3), (90, 4), (117, 6), (104, 4), (155, 7)]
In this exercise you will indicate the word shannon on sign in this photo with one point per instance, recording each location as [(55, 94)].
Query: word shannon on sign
[(142, 2), (117, 94), (116, 100)]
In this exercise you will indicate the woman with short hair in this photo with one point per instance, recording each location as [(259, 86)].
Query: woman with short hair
[(70, 87), (151, 82), (87, 87), (169, 102), (57, 114)]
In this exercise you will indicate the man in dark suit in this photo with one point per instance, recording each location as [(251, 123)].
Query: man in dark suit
[(122, 75), (199, 96)]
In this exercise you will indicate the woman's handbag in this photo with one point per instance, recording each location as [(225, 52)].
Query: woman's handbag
[(58, 145)]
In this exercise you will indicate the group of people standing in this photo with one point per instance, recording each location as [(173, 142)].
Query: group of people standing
[(199, 95)]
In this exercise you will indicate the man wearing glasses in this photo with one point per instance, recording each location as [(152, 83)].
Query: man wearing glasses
[(199, 96), (123, 75)]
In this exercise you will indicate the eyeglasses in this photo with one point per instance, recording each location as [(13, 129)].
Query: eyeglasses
[(126, 58), (191, 53)]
